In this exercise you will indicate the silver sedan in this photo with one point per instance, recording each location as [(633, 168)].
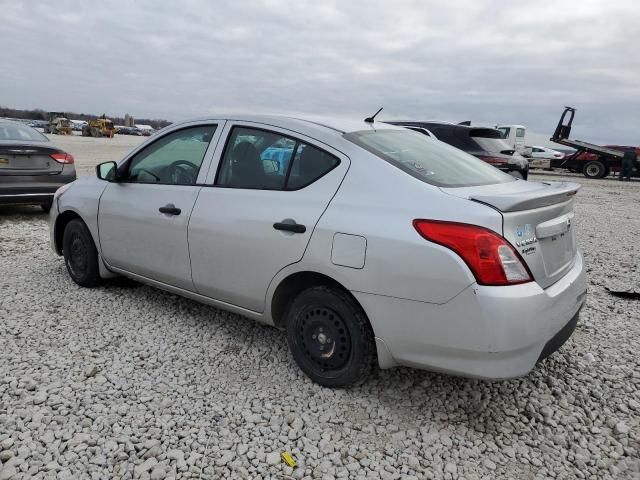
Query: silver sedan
[(368, 243)]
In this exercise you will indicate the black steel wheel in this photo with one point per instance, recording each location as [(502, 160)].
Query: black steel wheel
[(80, 254), (330, 337)]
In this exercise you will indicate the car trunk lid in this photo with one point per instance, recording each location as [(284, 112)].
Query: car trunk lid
[(28, 159), (538, 220)]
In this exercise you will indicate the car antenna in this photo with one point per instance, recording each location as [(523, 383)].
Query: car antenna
[(372, 117)]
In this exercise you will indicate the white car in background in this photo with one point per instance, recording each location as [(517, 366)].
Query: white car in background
[(367, 242), (542, 157), (543, 152)]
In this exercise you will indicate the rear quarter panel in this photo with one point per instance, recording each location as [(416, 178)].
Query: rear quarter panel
[(379, 202)]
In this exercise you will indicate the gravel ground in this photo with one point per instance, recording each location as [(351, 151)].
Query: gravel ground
[(126, 381)]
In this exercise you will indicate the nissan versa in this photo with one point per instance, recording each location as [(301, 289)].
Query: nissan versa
[(367, 242)]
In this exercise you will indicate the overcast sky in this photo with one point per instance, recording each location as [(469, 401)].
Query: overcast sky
[(484, 61)]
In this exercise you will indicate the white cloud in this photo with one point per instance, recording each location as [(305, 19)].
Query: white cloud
[(507, 62)]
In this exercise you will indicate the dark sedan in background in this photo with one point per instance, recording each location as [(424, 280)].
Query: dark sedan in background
[(31, 167), (485, 143)]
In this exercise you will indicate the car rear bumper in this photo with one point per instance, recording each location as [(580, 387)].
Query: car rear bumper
[(34, 189), (484, 332)]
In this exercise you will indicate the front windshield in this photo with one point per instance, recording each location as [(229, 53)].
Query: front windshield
[(15, 131), (429, 160)]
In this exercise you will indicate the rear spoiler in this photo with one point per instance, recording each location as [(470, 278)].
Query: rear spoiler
[(549, 194)]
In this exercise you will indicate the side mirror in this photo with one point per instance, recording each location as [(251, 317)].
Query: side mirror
[(107, 171)]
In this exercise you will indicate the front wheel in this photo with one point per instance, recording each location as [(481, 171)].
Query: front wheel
[(80, 254), (330, 337)]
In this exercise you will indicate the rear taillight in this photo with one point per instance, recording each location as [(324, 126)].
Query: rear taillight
[(492, 260), (62, 157), (494, 160)]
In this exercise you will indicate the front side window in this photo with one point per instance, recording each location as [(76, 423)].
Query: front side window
[(260, 159), (433, 162), (519, 132), (174, 159)]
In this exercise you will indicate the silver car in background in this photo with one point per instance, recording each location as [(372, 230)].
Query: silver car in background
[(368, 243)]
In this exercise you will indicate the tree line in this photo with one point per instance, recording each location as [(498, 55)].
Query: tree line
[(39, 114)]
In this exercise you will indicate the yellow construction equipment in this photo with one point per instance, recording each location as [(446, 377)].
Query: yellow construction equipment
[(100, 127), (58, 124)]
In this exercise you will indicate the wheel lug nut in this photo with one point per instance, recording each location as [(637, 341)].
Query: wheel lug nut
[(314, 336)]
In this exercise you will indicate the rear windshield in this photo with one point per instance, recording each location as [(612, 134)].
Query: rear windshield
[(490, 140), (15, 131), (429, 160)]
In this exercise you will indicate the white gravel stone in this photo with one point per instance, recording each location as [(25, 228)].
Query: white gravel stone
[(273, 458), (7, 472)]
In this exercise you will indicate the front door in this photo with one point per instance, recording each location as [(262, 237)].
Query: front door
[(143, 217), (258, 216)]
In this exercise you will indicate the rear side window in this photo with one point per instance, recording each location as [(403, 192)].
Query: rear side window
[(520, 132), (431, 161), (265, 160)]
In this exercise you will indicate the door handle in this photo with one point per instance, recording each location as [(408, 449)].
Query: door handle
[(290, 227), (170, 209)]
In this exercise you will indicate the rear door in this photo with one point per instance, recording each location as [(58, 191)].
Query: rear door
[(257, 212)]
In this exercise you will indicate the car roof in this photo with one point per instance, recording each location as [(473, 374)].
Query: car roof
[(328, 125), (416, 122)]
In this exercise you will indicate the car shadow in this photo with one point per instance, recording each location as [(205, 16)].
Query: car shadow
[(21, 212)]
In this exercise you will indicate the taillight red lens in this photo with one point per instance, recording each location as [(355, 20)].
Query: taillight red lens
[(62, 157), (492, 260)]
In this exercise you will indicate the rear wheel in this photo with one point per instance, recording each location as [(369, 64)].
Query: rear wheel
[(330, 337), (594, 169), (80, 254)]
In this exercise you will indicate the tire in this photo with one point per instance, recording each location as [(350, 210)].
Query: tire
[(46, 206), (594, 169), (80, 254), (330, 337)]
